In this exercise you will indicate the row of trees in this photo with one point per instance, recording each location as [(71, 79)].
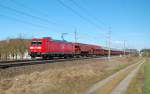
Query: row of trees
[(13, 48), (145, 52)]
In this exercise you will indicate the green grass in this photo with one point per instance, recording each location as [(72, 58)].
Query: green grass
[(147, 78)]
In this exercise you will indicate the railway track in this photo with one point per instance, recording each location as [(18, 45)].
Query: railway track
[(11, 61), (18, 63)]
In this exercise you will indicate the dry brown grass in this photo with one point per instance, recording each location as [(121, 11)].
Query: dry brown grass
[(64, 80)]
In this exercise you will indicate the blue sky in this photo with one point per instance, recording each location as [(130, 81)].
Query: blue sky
[(129, 20)]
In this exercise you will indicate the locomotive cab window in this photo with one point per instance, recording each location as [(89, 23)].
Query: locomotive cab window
[(33, 42), (39, 42), (36, 42)]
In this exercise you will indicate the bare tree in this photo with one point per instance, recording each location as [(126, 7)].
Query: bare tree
[(12, 48)]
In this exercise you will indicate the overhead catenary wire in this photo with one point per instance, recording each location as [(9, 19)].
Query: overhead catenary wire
[(28, 7), (87, 12), (23, 21), (27, 14), (78, 14), (43, 13), (98, 27)]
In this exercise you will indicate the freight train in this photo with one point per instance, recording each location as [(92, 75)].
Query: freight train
[(48, 48)]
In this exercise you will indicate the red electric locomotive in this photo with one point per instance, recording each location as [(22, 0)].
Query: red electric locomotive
[(47, 48)]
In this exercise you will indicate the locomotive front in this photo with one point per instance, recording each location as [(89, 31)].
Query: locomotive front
[(35, 48)]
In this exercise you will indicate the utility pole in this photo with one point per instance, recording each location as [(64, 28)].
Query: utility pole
[(75, 40), (109, 43), (75, 35), (124, 47)]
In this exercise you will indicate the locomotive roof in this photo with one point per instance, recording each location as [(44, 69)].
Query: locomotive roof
[(59, 40)]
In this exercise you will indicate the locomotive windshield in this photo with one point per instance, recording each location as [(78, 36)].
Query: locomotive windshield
[(36, 42)]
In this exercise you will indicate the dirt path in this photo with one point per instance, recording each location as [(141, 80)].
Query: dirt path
[(116, 83), (122, 86)]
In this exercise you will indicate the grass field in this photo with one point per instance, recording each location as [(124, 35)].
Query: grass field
[(147, 78), (68, 79)]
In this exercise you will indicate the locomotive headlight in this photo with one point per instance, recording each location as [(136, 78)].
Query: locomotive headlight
[(39, 47), (31, 47)]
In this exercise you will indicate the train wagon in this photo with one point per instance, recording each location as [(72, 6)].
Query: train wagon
[(88, 49)]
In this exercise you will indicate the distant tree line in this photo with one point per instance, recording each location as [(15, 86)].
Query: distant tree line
[(145, 52), (12, 48)]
